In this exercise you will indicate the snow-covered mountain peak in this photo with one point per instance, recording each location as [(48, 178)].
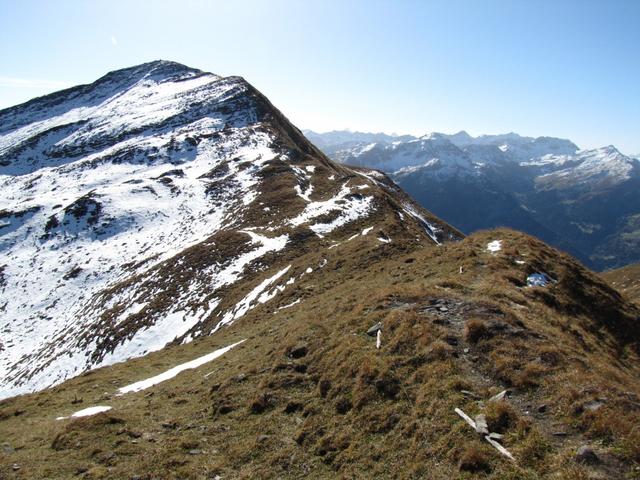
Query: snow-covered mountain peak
[(144, 208)]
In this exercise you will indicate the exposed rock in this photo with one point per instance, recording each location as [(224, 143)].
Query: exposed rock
[(481, 424), (593, 405), (373, 330), (298, 351), (500, 396), (586, 455), (343, 405)]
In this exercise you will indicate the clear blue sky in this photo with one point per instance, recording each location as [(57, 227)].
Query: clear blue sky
[(539, 67)]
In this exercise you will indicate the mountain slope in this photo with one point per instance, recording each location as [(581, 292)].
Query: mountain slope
[(134, 207), (583, 201), (626, 280), (308, 394)]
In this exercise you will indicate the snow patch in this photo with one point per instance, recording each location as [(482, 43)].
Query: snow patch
[(169, 374), (290, 304), (429, 228), (494, 246), (248, 302), (87, 412), (350, 208)]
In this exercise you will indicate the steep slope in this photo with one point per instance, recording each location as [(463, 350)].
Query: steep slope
[(626, 280), (583, 201), (159, 204), (308, 394)]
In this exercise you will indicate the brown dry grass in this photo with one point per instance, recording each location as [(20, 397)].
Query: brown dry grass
[(340, 407)]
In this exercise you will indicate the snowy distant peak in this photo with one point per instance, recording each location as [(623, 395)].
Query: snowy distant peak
[(340, 136), (437, 138), (599, 167), (515, 148), (461, 138), (524, 148)]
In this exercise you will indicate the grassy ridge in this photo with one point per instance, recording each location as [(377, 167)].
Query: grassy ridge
[(308, 394)]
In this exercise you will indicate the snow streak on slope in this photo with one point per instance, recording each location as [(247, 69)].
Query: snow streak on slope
[(169, 374)]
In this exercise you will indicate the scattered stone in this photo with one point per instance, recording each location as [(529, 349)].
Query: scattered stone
[(262, 438), (300, 368), (343, 405), (373, 331), (451, 340), (261, 403), (481, 424), (15, 467), (225, 408), (481, 419), (324, 386), (538, 280), (195, 451), (560, 434), (469, 393), (586, 455), (500, 396), (240, 378), (593, 405), (466, 350), (293, 407), (466, 418), (499, 447), (298, 351)]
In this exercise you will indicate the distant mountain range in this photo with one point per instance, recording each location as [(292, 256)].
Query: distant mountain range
[(583, 201)]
